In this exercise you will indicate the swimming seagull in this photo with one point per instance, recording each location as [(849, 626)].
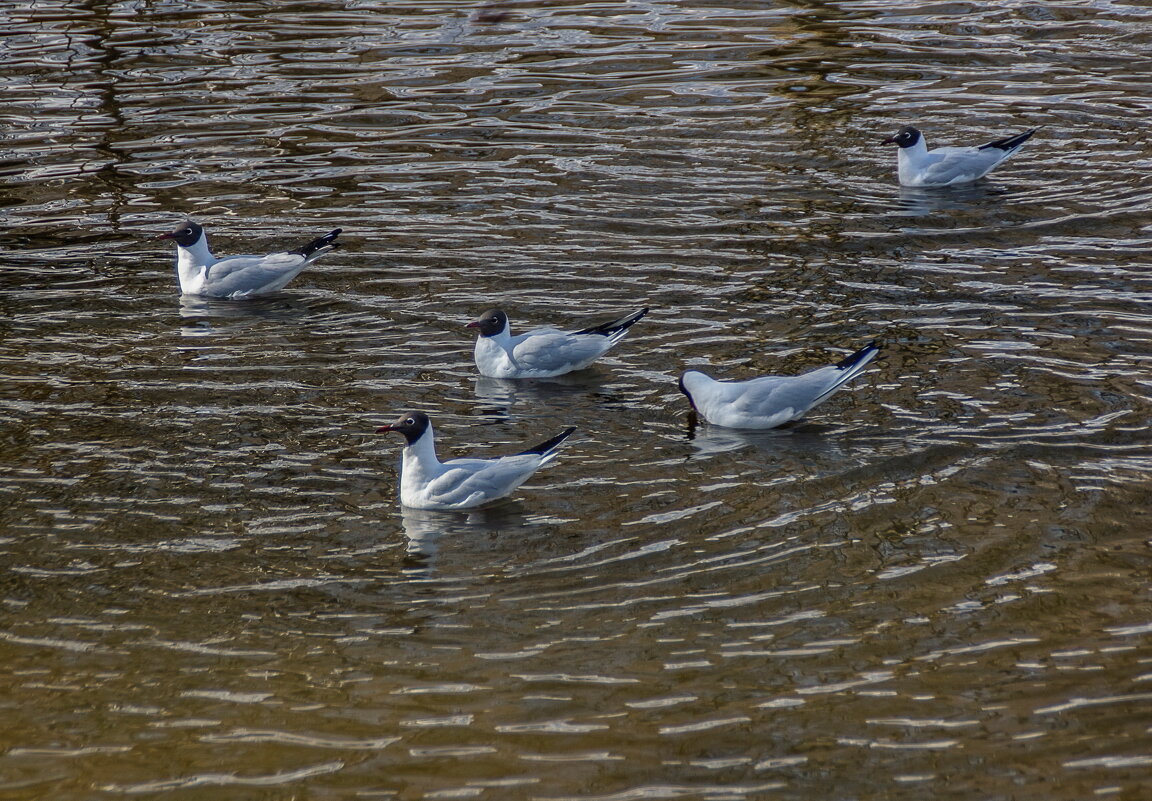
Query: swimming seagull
[(945, 166), (201, 273), (770, 401), (543, 352), (428, 483)]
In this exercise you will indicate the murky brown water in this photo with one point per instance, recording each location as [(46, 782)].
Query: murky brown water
[(937, 588)]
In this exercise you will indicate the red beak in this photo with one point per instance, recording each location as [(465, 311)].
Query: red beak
[(891, 140), (384, 429), (473, 324), (166, 236)]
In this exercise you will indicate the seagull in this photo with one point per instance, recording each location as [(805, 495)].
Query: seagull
[(946, 166), (543, 352), (203, 274), (770, 401), (428, 483)]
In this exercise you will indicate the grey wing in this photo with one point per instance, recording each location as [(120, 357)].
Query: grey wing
[(548, 350), (768, 396), (242, 274), (774, 394), (477, 480), (961, 164)]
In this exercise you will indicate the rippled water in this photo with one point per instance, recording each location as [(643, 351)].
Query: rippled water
[(936, 587)]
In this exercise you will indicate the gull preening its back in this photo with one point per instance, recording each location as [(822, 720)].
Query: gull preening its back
[(428, 483), (770, 401), (543, 352), (946, 166), (201, 273)]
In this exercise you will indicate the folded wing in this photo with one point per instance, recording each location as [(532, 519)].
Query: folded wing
[(960, 164), (244, 275), (547, 351), (468, 482)]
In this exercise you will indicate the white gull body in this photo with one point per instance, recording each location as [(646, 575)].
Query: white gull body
[(428, 483), (770, 401), (543, 352), (916, 165), (201, 273)]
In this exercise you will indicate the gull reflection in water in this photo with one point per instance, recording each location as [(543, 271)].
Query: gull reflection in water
[(503, 393), (472, 528), (920, 201), (199, 313), (801, 439)]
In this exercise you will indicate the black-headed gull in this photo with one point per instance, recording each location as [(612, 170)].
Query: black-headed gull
[(770, 401), (428, 483), (946, 166), (201, 273), (543, 352)]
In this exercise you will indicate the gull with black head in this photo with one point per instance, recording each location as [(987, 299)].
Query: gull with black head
[(201, 273), (916, 165), (543, 352), (428, 483), (770, 401)]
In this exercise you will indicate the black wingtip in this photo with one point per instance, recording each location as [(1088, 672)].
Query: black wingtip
[(859, 356), (1010, 142), (328, 240), (546, 447), (619, 324)]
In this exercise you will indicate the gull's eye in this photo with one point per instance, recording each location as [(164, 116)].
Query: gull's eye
[(409, 422)]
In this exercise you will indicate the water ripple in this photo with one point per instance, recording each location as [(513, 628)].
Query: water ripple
[(206, 563)]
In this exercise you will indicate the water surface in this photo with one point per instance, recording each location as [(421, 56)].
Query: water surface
[(936, 587)]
